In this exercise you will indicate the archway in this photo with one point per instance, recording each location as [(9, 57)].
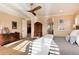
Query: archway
[(37, 29)]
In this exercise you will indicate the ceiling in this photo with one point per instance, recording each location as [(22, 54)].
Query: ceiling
[(48, 9)]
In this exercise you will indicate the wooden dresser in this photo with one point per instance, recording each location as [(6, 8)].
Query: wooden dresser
[(8, 38)]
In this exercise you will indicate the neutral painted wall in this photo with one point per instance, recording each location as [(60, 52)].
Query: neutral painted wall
[(69, 21), (6, 21)]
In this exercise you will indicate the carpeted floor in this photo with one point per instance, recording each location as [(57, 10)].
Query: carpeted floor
[(65, 47)]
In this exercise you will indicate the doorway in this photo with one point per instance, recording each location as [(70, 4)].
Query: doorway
[(37, 29), (28, 28)]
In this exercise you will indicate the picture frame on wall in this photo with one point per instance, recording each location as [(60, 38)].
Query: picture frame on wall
[(14, 25), (61, 25), (61, 21)]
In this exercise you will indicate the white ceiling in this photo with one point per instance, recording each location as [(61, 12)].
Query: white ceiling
[(20, 9)]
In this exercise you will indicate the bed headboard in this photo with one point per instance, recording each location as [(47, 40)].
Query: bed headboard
[(77, 26)]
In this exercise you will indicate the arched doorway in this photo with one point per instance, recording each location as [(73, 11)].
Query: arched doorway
[(37, 29)]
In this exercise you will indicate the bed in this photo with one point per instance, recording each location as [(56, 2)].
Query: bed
[(73, 37), (43, 46)]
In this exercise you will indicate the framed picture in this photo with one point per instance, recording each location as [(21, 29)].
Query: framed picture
[(61, 25), (61, 21), (14, 25)]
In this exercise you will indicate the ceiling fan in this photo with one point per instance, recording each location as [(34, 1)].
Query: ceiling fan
[(34, 9)]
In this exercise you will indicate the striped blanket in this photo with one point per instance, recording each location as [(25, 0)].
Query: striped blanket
[(43, 46)]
